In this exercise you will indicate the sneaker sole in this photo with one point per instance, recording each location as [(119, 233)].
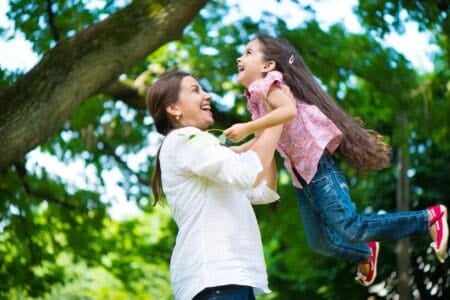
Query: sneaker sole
[(367, 283), (442, 250)]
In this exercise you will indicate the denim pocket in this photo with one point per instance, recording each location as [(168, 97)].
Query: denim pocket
[(320, 178), (341, 180), (322, 187)]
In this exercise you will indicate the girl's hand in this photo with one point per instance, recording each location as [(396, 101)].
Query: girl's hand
[(237, 132)]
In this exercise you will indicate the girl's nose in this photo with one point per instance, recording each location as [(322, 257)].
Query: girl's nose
[(238, 60)]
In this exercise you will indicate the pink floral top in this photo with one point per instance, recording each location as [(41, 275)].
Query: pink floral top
[(304, 138)]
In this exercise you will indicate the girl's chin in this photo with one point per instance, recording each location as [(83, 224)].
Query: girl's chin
[(242, 81)]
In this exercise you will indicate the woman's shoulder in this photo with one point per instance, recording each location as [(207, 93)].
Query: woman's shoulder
[(177, 136), (190, 136), (182, 133), (185, 130)]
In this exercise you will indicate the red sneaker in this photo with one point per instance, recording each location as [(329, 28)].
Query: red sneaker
[(439, 220), (367, 271)]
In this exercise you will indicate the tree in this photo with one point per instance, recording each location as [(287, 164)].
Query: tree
[(434, 17), (78, 67)]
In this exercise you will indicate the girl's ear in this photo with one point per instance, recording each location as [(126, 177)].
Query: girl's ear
[(269, 66)]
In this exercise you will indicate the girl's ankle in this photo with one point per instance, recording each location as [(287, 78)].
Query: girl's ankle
[(434, 214), (430, 217)]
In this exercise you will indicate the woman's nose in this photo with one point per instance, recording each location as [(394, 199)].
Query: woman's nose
[(208, 96)]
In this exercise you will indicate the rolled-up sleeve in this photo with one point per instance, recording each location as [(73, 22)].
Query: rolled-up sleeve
[(202, 154)]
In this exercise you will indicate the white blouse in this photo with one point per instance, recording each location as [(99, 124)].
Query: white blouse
[(208, 187)]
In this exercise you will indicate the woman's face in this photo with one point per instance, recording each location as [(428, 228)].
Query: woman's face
[(193, 105)]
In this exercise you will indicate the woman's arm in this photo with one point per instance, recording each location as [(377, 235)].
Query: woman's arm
[(202, 154), (282, 108), (271, 175), (243, 147), (264, 146), (266, 192)]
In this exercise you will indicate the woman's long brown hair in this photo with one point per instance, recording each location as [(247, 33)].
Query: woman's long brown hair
[(362, 148), (162, 93)]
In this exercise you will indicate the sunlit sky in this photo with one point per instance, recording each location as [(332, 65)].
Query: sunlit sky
[(17, 54)]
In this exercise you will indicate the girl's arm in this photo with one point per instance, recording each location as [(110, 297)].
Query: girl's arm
[(282, 108)]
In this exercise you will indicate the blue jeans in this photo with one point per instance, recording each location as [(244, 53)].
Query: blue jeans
[(333, 227), (226, 292)]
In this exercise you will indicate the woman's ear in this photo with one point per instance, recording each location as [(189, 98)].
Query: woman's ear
[(269, 66), (173, 110)]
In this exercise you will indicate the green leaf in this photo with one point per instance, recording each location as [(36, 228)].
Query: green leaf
[(222, 138)]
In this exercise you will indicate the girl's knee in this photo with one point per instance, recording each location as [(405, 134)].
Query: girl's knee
[(322, 245), (354, 232), (350, 237)]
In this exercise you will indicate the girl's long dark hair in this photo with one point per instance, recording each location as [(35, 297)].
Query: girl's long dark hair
[(362, 148), (162, 93)]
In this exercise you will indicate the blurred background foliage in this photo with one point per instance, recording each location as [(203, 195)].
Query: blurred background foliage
[(59, 239)]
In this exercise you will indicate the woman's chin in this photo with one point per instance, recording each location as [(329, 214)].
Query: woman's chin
[(209, 123)]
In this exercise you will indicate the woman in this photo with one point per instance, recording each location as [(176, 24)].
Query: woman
[(218, 251)]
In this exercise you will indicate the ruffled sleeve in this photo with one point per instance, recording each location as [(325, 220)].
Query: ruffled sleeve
[(273, 78)]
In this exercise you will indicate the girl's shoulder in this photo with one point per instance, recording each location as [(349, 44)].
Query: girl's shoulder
[(274, 75), (263, 85)]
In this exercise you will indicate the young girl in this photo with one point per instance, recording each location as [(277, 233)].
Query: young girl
[(316, 127)]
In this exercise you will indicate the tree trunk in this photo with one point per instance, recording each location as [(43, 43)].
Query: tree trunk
[(403, 204), (36, 106)]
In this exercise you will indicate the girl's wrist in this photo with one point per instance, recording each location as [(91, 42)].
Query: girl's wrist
[(251, 127)]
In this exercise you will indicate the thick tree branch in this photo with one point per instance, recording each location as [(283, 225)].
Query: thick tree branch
[(38, 104), (127, 93)]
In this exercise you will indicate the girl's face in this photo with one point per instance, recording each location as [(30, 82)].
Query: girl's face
[(251, 65), (193, 106)]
